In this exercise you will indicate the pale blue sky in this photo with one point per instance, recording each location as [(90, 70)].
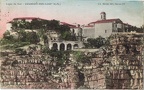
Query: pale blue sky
[(75, 11)]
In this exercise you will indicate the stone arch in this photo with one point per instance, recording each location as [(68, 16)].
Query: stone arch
[(76, 46), (69, 46), (55, 46), (62, 47)]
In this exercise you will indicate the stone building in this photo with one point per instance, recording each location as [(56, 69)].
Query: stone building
[(75, 30), (65, 45), (54, 40), (103, 27), (57, 43)]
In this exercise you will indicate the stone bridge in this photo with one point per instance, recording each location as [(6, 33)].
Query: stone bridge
[(65, 45)]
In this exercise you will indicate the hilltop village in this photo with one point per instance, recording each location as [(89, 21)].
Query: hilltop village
[(48, 54), (65, 36)]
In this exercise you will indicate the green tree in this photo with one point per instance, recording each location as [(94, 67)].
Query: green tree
[(96, 43), (27, 25), (7, 35), (100, 41), (45, 25), (81, 57), (7, 38), (53, 24), (65, 32), (21, 24), (22, 36), (14, 25), (33, 38), (45, 38), (36, 24)]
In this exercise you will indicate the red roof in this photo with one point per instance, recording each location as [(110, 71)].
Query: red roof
[(70, 25), (104, 21), (9, 22), (30, 18), (26, 18)]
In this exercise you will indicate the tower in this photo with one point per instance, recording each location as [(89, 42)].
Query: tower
[(103, 15)]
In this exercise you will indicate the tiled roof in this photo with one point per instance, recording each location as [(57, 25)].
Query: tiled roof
[(9, 22), (26, 18), (70, 25), (104, 21)]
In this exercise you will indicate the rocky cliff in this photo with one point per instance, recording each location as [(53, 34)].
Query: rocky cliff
[(117, 66)]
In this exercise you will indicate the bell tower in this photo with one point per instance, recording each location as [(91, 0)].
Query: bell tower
[(103, 15)]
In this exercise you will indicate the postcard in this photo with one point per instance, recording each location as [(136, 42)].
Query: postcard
[(71, 44)]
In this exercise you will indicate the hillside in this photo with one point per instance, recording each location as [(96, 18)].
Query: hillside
[(117, 66)]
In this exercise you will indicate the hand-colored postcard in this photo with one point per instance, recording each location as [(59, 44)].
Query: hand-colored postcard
[(71, 44)]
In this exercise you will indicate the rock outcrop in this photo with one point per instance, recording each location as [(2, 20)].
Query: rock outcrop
[(118, 66)]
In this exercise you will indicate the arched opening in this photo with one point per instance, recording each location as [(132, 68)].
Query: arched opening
[(62, 47), (55, 46), (69, 46), (76, 46)]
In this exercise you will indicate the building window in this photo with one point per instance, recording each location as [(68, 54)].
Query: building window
[(54, 38), (73, 31), (113, 25), (116, 25), (105, 31)]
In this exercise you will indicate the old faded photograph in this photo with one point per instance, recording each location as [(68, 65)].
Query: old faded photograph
[(71, 44)]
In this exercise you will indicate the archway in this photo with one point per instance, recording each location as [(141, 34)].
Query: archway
[(69, 46), (55, 46), (76, 46), (62, 47)]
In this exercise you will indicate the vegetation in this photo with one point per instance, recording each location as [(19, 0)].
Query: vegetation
[(20, 51), (43, 26), (136, 29), (81, 57), (15, 45), (96, 43), (22, 39), (63, 56), (59, 56)]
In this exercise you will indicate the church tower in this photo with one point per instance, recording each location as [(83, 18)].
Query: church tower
[(103, 15)]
